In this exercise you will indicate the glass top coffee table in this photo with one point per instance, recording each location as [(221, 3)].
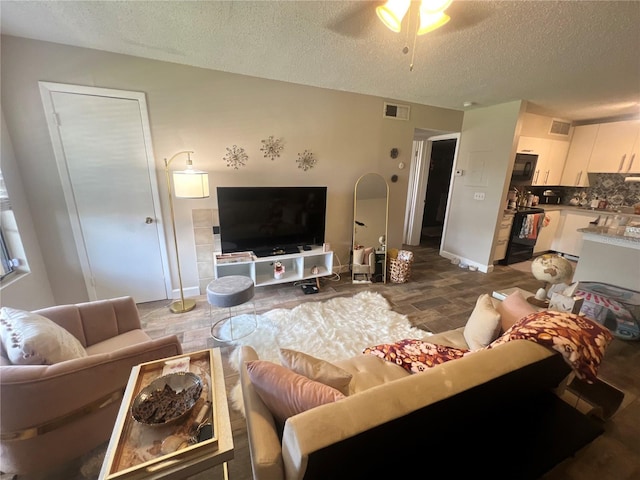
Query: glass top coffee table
[(178, 449)]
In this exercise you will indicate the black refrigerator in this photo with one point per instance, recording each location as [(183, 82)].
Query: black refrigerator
[(527, 223)]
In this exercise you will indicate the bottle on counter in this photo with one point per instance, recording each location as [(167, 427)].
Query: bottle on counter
[(529, 199), (594, 202), (602, 204)]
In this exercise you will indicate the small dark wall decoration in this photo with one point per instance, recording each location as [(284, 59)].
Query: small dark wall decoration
[(394, 153), (394, 178)]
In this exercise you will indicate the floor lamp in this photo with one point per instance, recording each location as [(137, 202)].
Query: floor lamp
[(187, 183)]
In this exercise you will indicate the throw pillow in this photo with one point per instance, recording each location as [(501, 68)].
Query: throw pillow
[(316, 369), (512, 309), (286, 393), (31, 339), (483, 326), (415, 355), (581, 341)]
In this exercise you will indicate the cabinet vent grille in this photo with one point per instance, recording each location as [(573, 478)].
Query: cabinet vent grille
[(393, 110), (559, 127)]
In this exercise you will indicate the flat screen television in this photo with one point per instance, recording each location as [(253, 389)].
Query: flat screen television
[(271, 220)]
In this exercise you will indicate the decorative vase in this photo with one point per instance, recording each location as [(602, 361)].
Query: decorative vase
[(278, 270)]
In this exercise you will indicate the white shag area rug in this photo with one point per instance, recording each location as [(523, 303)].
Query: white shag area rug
[(332, 330)]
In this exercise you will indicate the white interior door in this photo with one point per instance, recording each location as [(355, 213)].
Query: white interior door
[(108, 175), (417, 191)]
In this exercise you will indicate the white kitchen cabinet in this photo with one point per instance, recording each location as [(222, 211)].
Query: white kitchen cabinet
[(532, 145), (554, 163), (575, 167), (568, 240), (548, 233), (613, 150), (634, 163), (551, 158)]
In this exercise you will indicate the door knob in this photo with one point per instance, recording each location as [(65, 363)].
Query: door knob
[(148, 220)]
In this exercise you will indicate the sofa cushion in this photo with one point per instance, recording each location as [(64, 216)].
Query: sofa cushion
[(316, 369), (483, 326), (452, 338), (286, 393), (581, 341), (416, 355), (512, 309), (31, 339), (123, 340), (370, 371)]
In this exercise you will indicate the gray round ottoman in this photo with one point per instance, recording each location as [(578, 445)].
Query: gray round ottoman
[(232, 293)]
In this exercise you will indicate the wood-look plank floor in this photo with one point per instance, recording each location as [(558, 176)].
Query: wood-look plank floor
[(439, 296)]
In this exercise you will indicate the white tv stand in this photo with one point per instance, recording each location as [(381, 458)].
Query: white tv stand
[(297, 266)]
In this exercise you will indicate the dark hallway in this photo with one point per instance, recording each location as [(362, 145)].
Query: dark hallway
[(435, 205)]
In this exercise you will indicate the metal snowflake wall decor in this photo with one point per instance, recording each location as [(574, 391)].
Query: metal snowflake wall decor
[(272, 147), (306, 160), (236, 157)]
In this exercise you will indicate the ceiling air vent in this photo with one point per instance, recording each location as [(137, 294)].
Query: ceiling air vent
[(559, 127), (399, 112)]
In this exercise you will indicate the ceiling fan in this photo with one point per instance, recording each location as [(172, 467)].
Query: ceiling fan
[(431, 14), (358, 19)]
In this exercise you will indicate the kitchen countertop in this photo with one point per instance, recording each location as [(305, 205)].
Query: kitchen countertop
[(613, 235), (583, 210)]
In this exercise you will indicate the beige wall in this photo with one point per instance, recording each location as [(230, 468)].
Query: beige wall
[(486, 152), (208, 111), (27, 289)]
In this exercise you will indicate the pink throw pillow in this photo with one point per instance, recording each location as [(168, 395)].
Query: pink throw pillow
[(286, 393), (512, 309)]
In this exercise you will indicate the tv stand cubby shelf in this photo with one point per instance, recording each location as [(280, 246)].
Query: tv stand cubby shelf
[(298, 266)]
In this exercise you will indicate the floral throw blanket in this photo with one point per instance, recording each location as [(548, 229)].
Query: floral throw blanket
[(415, 355), (581, 341)]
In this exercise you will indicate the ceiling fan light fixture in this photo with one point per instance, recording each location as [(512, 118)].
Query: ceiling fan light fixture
[(434, 6), (431, 21), (392, 13)]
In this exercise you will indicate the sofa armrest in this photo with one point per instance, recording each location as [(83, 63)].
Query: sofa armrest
[(94, 322), (323, 426), (264, 441), (33, 394)]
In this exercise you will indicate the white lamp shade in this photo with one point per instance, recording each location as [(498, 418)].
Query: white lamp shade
[(431, 21), (191, 184), (392, 13)]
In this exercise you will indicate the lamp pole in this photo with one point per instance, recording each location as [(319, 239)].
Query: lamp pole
[(182, 305)]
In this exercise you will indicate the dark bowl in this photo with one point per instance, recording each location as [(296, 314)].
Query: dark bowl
[(167, 399)]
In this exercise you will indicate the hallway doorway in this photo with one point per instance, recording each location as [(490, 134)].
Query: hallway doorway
[(435, 202)]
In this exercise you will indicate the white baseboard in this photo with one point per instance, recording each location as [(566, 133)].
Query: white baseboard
[(188, 292), (465, 261)]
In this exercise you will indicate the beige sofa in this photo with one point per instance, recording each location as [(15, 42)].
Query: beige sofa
[(493, 413), (50, 414)]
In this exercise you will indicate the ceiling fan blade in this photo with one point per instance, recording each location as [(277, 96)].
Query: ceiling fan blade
[(466, 15), (355, 21)]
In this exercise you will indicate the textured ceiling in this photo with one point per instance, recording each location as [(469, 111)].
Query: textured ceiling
[(577, 60)]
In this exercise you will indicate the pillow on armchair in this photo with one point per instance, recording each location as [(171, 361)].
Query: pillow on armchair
[(31, 339)]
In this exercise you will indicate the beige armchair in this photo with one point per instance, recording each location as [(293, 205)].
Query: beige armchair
[(51, 414)]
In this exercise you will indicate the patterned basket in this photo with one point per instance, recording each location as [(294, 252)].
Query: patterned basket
[(400, 267)]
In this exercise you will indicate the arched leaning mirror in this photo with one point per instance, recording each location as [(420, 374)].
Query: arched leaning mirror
[(370, 213)]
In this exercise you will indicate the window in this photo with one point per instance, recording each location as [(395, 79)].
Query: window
[(7, 264)]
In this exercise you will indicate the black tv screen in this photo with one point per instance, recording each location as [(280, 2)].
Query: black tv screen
[(271, 220)]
